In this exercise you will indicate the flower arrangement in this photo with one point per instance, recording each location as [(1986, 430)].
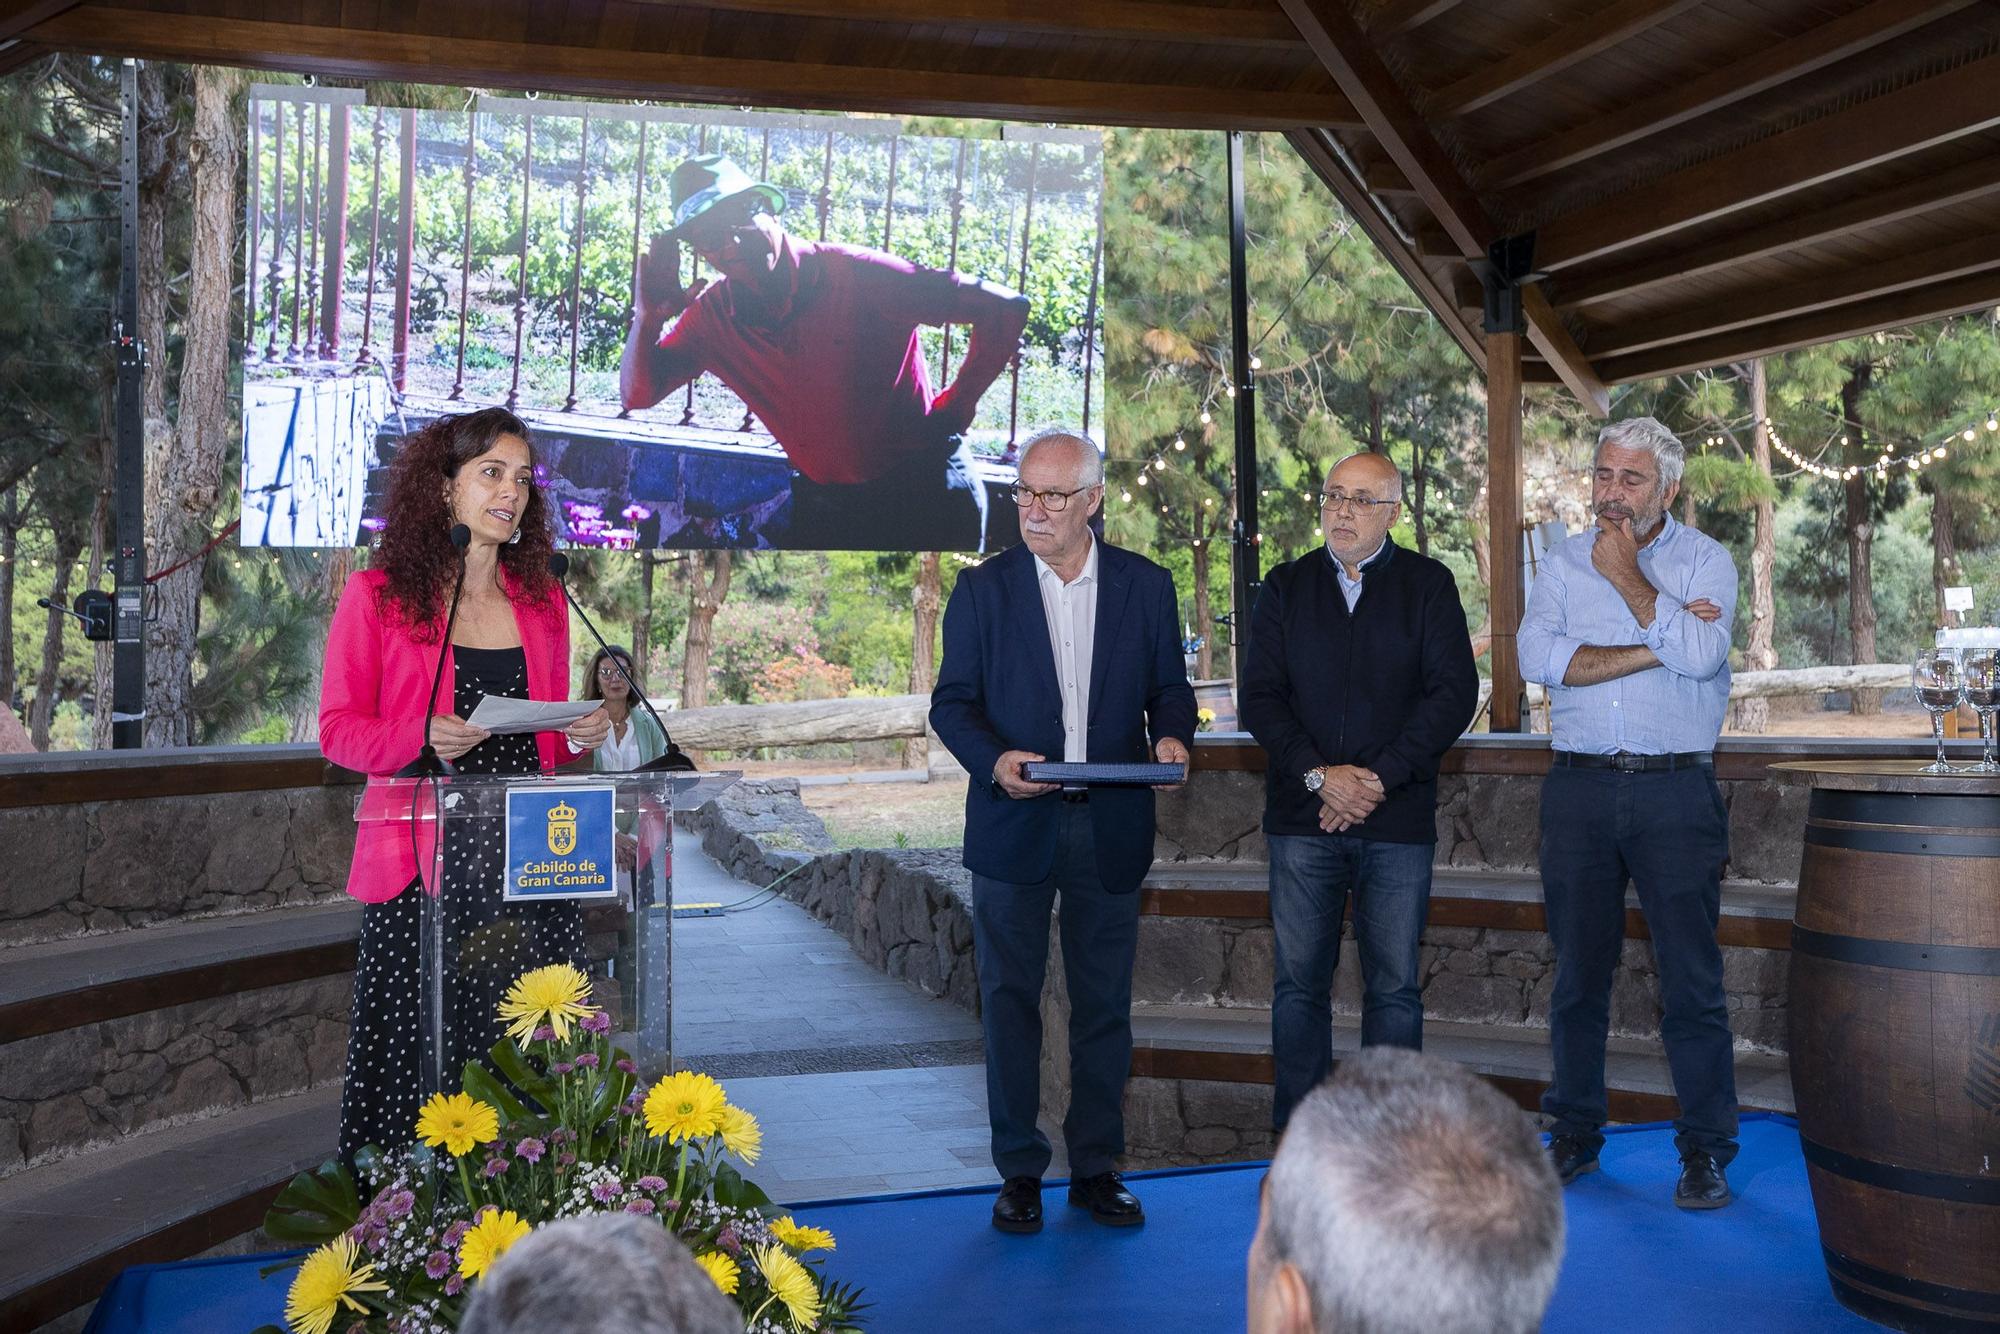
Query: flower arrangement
[(1204, 719), (560, 1126)]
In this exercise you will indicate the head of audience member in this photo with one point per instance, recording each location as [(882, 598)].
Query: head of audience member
[(1360, 501), (599, 1274), (603, 679), (1407, 1197), (1061, 486), (1636, 473)]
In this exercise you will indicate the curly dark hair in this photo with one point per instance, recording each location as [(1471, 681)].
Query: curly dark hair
[(415, 549)]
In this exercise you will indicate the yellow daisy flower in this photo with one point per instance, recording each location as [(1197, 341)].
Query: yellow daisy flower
[(553, 996), (457, 1123), (741, 1134), (801, 1239), (791, 1283), (326, 1282), (725, 1272), (685, 1106), (490, 1238)]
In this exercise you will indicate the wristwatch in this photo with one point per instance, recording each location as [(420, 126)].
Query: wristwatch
[(1315, 779)]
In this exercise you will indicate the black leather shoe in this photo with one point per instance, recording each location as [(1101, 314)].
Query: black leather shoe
[(1107, 1199), (1702, 1184), (1572, 1156), (1019, 1208)]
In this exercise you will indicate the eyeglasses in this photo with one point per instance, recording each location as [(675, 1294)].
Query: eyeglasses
[(1052, 501), (1335, 500), (609, 671)]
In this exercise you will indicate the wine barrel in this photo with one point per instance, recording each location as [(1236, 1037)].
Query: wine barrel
[(1895, 1040)]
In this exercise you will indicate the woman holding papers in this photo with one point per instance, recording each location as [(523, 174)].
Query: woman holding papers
[(462, 488)]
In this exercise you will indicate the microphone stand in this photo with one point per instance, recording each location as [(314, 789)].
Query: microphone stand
[(428, 763), (675, 760)]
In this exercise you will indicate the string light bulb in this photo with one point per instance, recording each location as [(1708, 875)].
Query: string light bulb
[(1142, 479), (1206, 419), (1159, 465), (1179, 443)]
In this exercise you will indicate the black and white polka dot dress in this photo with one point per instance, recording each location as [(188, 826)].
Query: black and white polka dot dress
[(487, 943)]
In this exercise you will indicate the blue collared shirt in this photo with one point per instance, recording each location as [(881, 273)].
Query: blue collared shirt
[(1350, 589), (1675, 707)]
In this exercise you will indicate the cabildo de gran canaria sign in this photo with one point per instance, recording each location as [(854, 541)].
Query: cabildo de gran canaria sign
[(560, 842)]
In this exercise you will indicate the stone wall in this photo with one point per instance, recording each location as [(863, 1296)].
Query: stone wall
[(1484, 821), (107, 865), (71, 1090)]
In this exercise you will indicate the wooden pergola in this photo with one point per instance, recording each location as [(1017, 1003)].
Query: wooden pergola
[(1584, 192)]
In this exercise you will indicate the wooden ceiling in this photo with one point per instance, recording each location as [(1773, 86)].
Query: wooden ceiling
[(1705, 180)]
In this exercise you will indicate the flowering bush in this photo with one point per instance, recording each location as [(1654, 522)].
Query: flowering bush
[(571, 1131)]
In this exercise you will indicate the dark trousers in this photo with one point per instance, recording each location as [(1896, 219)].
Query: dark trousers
[(1668, 833), (935, 502), (1010, 942), (1311, 877)]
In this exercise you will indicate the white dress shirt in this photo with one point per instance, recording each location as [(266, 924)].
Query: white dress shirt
[(1071, 609), (620, 755)]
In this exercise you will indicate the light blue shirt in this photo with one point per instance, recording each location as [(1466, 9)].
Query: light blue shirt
[(1673, 708), (1351, 588)]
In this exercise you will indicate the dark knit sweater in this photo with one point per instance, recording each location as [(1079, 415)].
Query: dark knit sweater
[(1389, 686)]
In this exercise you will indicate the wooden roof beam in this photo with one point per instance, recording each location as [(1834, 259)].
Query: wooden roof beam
[(1313, 147), (1931, 302), (1130, 20), (1767, 68), (1857, 283), (1571, 44), (365, 54), (1401, 16), (1351, 59), (1937, 110), (39, 11), (15, 53), (1959, 185)]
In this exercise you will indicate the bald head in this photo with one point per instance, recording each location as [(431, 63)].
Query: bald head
[(1374, 472)]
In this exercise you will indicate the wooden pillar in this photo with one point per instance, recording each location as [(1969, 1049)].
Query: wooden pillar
[(1503, 522)]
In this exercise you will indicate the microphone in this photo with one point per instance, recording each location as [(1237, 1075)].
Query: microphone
[(675, 760), (428, 764)]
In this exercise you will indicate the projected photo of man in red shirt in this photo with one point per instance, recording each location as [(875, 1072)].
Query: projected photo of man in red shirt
[(820, 341)]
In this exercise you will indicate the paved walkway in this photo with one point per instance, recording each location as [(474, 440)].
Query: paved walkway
[(862, 1085)]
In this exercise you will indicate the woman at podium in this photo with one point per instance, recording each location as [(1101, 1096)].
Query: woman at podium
[(397, 689)]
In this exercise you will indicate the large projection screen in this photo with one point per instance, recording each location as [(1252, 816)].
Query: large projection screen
[(841, 344)]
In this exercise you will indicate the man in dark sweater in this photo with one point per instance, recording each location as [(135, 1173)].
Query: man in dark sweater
[(1359, 677)]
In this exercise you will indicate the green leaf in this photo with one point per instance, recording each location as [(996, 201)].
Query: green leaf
[(314, 1207), (480, 1083), (507, 1059), (732, 1191)]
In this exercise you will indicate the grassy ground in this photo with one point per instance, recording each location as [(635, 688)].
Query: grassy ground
[(891, 815)]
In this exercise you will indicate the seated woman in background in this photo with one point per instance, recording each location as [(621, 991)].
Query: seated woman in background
[(634, 739)]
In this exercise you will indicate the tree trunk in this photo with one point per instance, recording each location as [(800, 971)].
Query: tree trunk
[(642, 622), (159, 166), (1860, 547), (923, 649), (1204, 617), (184, 466), (1761, 654), (1418, 518), (42, 711), (1375, 445), (10, 520), (320, 586), (708, 585), (1946, 572)]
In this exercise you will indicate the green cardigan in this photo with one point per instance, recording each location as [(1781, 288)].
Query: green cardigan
[(652, 745)]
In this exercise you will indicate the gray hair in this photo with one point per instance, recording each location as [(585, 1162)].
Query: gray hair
[(1648, 435), (1093, 457), (599, 1274), (1414, 1199), (1371, 454)]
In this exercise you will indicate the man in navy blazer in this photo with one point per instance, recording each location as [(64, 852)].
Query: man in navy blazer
[(1062, 648)]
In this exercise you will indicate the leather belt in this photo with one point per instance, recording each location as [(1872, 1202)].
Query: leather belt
[(1625, 762)]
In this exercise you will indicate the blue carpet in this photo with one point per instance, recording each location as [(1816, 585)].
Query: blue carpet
[(932, 1263)]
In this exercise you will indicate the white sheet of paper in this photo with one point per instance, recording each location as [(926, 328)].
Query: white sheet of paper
[(502, 716)]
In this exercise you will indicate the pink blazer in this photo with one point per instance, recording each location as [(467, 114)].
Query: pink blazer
[(372, 705)]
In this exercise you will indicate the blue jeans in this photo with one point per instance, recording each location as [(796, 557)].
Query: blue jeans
[(1310, 879), (1668, 833)]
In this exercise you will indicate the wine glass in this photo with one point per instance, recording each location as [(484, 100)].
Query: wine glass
[(1980, 669), (1939, 686)]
